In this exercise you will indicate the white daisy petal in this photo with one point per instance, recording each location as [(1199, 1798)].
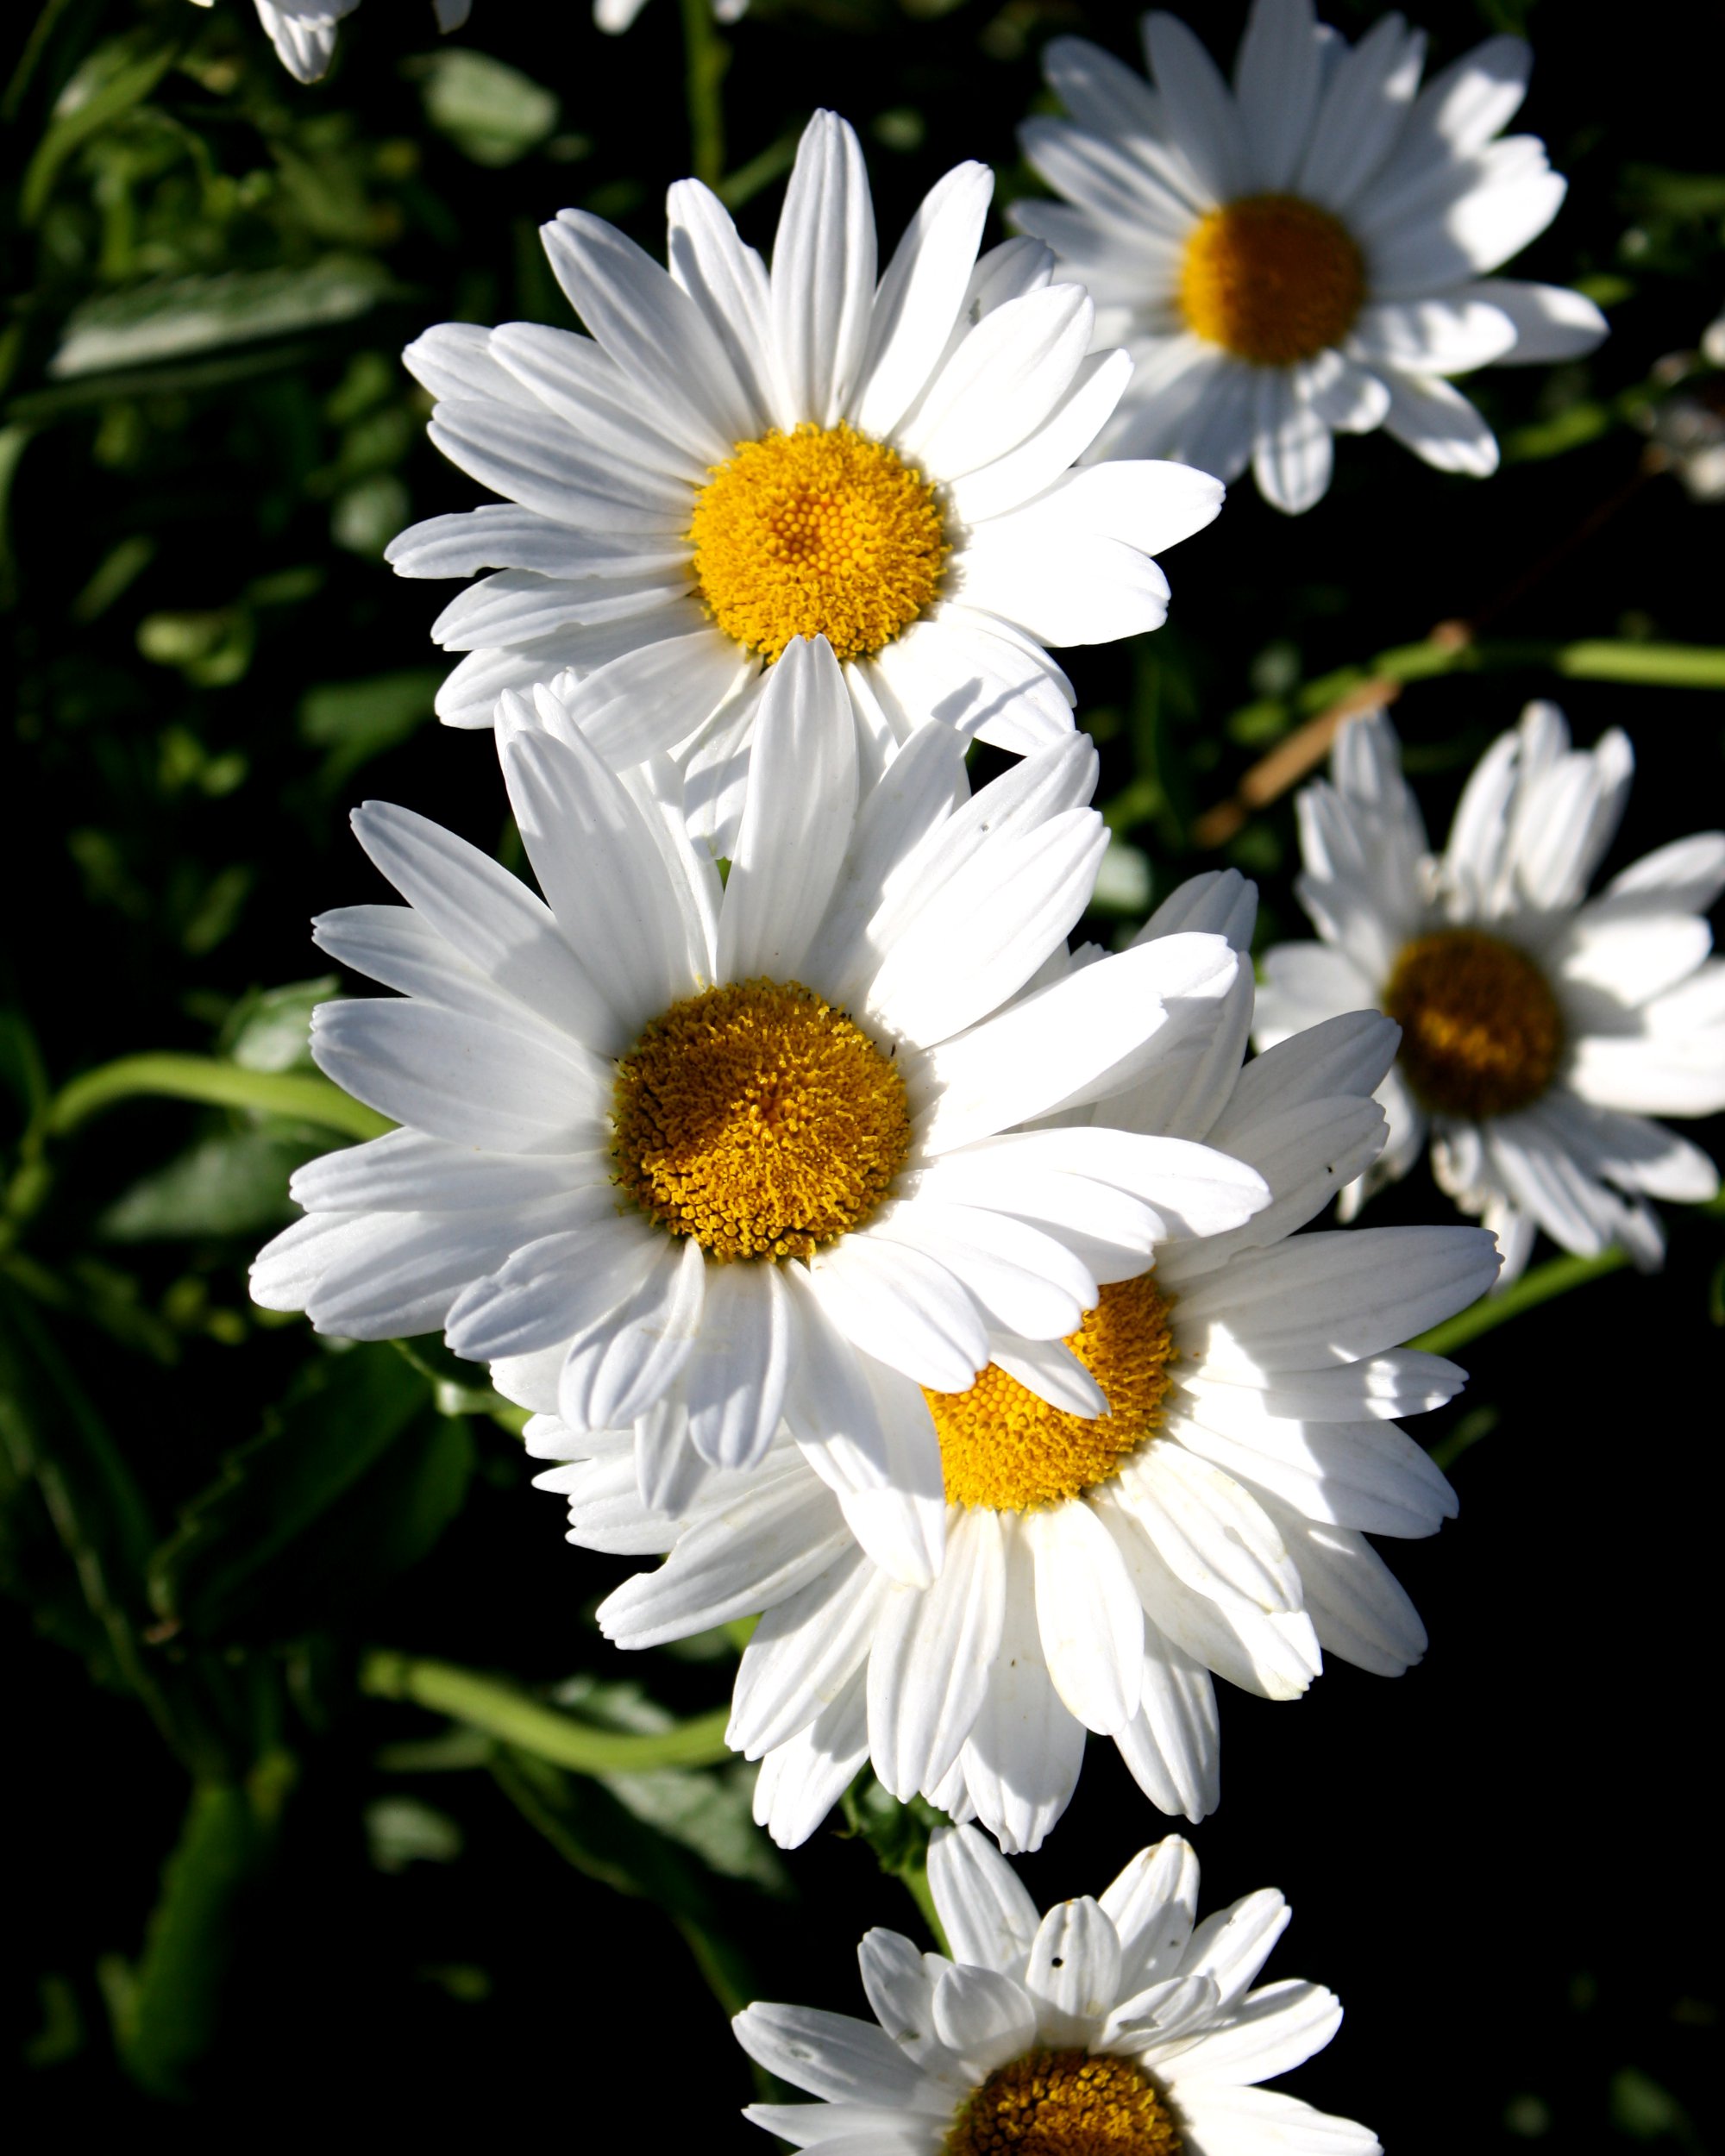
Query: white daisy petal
[(1043, 1053), (919, 296), (490, 917), (1274, 1654), (983, 2018), (1091, 1626), (903, 1308), (802, 1779), (1292, 453), (406, 1172), (928, 1669), (717, 1573), (1277, 76), (866, 1432), (1550, 321), (585, 837), (552, 1287), (1364, 102), (823, 277), (735, 1379), (1026, 352), (1025, 1747), (1223, 2122), (1268, 2033), (1439, 425), (785, 864), (1433, 336), (618, 1369), (1359, 1610), (803, 1653), (1197, 109), (460, 1079), (1233, 1945), (830, 2055), (1073, 1971), (728, 282), (1152, 1905), (651, 329), (988, 1918)]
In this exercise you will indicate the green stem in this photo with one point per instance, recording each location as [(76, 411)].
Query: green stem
[(34, 46), (1556, 1277), (706, 59), (915, 1877), (501, 1712), (298, 1094)]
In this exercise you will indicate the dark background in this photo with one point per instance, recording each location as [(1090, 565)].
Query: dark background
[(1501, 1862)]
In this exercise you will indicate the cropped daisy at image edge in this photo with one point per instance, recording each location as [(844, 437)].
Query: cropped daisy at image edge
[(1115, 2023)]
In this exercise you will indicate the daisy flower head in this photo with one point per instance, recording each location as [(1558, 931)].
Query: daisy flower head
[(735, 459), (1306, 254), (1183, 1485), (1115, 2022), (303, 32), (1541, 1029), (677, 1157)]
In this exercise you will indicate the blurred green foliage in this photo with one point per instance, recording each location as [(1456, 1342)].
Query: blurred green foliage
[(231, 1550)]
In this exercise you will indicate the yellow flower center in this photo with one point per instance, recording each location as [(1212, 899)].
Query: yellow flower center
[(1481, 1031), (1065, 2104), (1271, 279), (1004, 1447), (817, 532), (758, 1119)]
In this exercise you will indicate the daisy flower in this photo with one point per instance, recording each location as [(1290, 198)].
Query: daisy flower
[(694, 1156), (1541, 1029), (1184, 1486), (303, 32), (1110, 2023), (734, 460), (1302, 256)]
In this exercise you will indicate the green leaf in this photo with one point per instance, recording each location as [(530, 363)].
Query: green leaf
[(270, 1029), (358, 720), (165, 2011), (305, 1098), (580, 1740), (117, 77), (590, 1829), (350, 1483), (54, 1438), (232, 1183), (492, 113), (175, 318)]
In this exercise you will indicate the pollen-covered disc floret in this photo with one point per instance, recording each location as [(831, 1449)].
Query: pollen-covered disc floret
[(1112, 2025), (1003, 1446), (819, 532), (1271, 279), (1541, 1028), (1302, 250), (1482, 1033), (758, 1119), (1065, 2104)]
